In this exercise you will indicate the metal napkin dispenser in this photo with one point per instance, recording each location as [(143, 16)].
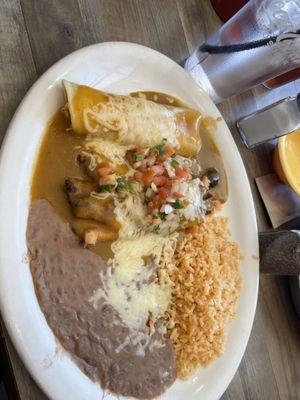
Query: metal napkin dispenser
[(271, 122)]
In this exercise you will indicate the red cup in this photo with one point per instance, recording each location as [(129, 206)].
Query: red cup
[(227, 8)]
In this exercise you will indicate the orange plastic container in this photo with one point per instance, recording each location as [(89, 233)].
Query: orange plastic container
[(286, 160)]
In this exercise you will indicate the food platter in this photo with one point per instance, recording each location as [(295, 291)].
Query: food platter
[(119, 68)]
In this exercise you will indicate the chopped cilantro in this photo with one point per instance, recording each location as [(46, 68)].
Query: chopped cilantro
[(178, 204), (175, 164), (106, 188), (157, 228), (161, 148), (138, 157), (154, 214), (123, 184)]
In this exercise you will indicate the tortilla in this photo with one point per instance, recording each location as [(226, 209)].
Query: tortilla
[(128, 120)]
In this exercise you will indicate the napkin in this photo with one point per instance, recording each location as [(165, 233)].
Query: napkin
[(281, 202)]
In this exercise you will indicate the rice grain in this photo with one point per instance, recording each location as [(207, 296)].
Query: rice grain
[(206, 282)]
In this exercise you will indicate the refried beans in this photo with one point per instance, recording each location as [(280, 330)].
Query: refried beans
[(65, 275)]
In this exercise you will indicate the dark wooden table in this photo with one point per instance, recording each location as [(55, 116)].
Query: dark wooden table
[(36, 33)]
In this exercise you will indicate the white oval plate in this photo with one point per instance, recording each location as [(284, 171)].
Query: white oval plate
[(121, 68)]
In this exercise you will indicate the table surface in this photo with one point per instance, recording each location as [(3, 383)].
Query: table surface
[(34, 34)]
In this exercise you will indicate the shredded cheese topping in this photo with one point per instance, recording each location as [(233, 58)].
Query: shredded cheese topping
[(130, 213), (109, 150), (135, 120), (130, 285)]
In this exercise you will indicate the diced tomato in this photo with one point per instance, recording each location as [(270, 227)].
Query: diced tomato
[(192, 229), (160, 180), (178, 172), (106, 179), (157, 201), (182, 173), (186, 202), (155, 204), (91, 236), (103, 171), (169, 183), (185, 172), (161, 159), (148, 177), (163, 193), (136, 150), (157, 169), (139, 176), (170, 151), (150, 206), (178, 195)]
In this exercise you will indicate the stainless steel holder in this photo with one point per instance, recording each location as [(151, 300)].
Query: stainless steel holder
[(271, 122)]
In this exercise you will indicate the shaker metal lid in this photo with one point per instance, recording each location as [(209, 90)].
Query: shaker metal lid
[(271, 122)]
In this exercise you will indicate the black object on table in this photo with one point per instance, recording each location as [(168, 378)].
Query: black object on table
[(8, 389), (280, 255)]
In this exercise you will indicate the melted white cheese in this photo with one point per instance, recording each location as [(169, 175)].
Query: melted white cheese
[(130, 213), (112, 151), (137, 121), (127, 287)]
